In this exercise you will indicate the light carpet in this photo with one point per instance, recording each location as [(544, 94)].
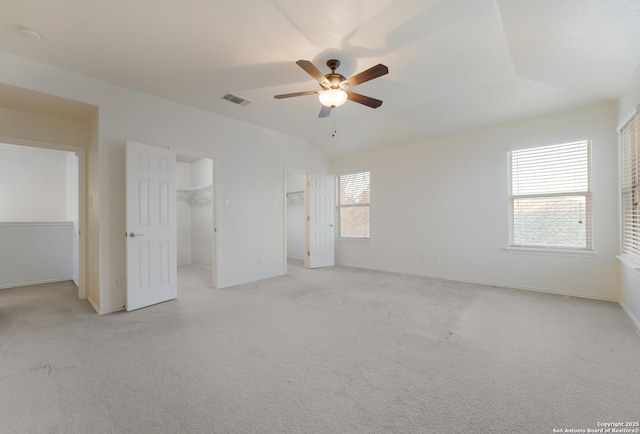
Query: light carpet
[(333, 350)]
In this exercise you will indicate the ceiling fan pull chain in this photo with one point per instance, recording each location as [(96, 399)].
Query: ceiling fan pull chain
[(335, 128)]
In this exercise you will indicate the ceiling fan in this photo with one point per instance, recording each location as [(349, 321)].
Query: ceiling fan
[(335, 86)]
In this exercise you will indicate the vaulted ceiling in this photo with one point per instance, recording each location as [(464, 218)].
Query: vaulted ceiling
[(455, 65)]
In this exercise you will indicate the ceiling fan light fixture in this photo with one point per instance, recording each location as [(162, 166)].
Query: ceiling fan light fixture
[(333, 98)]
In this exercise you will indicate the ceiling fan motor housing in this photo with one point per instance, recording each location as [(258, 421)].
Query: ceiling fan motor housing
[(333, 64), (335, 79)]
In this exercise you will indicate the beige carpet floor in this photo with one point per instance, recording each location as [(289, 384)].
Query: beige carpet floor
[(334, 350)]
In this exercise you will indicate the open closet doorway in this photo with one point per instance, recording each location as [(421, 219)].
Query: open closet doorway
[(41, 222), (309, 219), (196, 221), (295, 217)]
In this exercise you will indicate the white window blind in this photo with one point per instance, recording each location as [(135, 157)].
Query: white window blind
[(550, 197), (353, 204), (630, 170)]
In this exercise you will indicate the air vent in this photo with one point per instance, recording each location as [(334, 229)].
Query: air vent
[(236, 99)]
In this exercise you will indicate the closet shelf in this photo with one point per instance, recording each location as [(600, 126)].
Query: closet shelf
[(295, 198), (196, 195)]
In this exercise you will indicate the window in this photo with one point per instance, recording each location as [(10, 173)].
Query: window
[(630, 170), (353, 199), (550, 197)]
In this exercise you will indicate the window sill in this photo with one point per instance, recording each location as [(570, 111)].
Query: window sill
[(17, 224), (357, 240), (629, 263), (551, 252)]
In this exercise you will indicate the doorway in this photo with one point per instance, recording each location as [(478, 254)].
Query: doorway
[(196, 220), (309, 218), (295, 214), (41, 221)]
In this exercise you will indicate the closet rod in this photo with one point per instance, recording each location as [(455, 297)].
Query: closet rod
[(197, 189)]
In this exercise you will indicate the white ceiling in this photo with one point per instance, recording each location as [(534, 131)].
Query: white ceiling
[(455, 65)]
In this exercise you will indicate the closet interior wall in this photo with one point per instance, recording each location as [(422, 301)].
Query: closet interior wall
[(295, 214), (194, 212)]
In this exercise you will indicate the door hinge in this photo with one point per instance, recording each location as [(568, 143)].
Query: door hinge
[(308, 253)]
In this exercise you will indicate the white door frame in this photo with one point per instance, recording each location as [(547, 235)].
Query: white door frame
[(82, 204), (214, 203)]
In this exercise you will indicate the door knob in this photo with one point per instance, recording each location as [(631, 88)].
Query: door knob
[(133, 235)]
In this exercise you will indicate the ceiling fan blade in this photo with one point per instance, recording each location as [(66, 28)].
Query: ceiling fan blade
[(366, 100), (371, 73), (324, 111), (290, 95), (314, 72)]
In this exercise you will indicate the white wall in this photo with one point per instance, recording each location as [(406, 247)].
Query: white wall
[(42, 128), (448, 197), (202, 215), (295, 216), (250, 165), (34, 185), (630, 277), (32, 253), (183, 213)]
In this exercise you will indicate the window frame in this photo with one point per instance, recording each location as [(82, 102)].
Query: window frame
[(630, 189), (339, 206), (587, 194)]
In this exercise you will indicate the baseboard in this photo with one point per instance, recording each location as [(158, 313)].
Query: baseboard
[(242, 282), (479, 282), (635, 320), (115, 309), (296, 258), (102, 312), (208, 267), (94, 305), (39, 282)]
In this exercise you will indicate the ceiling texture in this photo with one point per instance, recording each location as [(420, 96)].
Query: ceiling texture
[(454, 65)]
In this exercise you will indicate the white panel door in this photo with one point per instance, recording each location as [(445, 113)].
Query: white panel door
[(320, 230), (151, 225)]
